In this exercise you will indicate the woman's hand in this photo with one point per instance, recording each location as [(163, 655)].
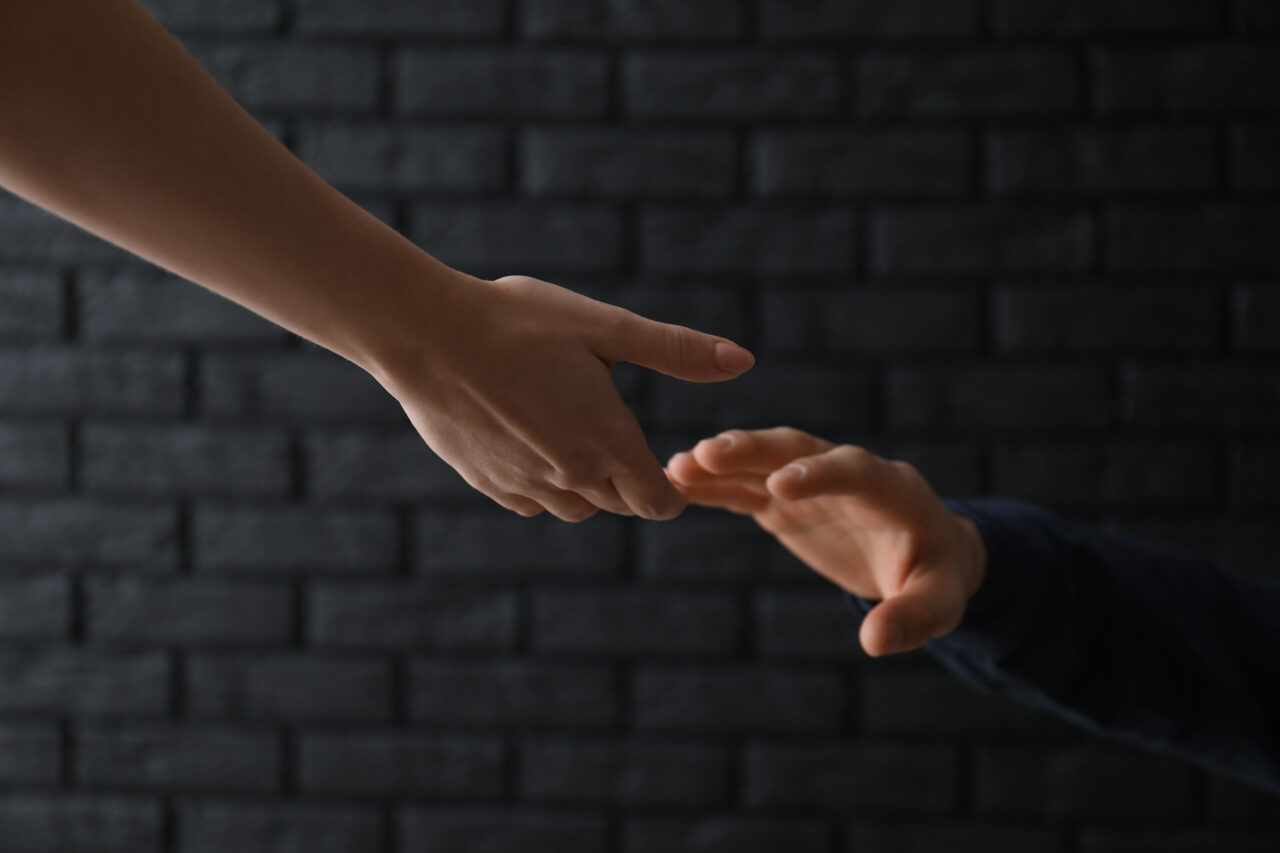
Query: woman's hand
[(870, 525), (510, 384)]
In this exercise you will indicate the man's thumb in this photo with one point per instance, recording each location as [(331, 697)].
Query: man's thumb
[(677, 351), (926, 608)]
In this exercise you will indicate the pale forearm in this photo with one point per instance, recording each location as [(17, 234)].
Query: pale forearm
[(107, 121)]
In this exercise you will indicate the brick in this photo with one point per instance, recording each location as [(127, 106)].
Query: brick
[(517, 693), (875, 19), (1005, 396), (1201, 395), (84, 533), (1093, 474), (30, 755), (66, 680), (1107, 318), (30, 304), (630, 773), (53, 379), (304, 387), (953, 470), (1087, 160), (282, 539), (633, 621), (1256, 317), (186, 610), (955, 838), (895, 701), (34, 608), (849, 778), (992, 83), (399, 18), (708, 546), (1212, 78), (747, 240), (405, 158), (184, 459), (377, 464), (818, 398), (401, 764), (294, 76), (649, 20), (34, 455), (76, 823), (288, 686), (1253, 166), (873, 320), (1182, 841), (172, 758), (483, 545), (1256, 16), (1098, 17), (1081, 783), (491, 82), (997, 238), (629, 163), (724, 835), (1255, 472), (29, 233), (805, 624), (889, 162), (484, 830), (398, 616), (147, 305), (1213, 238), (216, 827), (758, 698), (217, 16), (499, 237), (730, 85)]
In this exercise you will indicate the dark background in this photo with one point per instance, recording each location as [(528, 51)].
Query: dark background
[(1030, 245)]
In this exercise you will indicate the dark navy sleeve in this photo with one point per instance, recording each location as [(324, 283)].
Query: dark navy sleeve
[(1124, 637)]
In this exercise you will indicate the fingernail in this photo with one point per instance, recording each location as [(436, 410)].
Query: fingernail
[(795, 469), (732, 358), (723, 442), (894, 637)]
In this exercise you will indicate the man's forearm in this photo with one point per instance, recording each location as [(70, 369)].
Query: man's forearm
[(107, 121)]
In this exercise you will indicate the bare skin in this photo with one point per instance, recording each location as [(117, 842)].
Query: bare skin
[(108, 122), (872, 526)]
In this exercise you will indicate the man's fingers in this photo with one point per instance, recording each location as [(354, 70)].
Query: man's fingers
[(731, 497), (605, 495), (674, 350), (646, 489), (567, 506), (843, 470), (684, 470), (929, 605), (756, 451)]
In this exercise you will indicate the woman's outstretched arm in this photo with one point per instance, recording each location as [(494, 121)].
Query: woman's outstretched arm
[(108, 122)]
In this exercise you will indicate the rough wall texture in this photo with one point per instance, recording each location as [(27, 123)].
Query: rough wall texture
[(1031, 245)]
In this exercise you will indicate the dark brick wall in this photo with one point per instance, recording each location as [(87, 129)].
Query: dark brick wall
[(1031, 245)]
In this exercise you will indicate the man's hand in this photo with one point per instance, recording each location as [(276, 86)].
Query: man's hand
[(509, 382), (870, 525)]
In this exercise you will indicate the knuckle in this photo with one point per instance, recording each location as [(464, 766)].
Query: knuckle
[(573, 476), (854, 456)]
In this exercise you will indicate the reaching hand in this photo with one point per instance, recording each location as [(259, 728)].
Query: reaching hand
[(512, 387), (870, 525)]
